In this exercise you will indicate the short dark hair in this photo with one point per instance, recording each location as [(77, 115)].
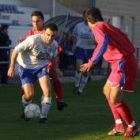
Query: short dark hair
[(51, 26), (93, 14), (84, 13), (38, 13)]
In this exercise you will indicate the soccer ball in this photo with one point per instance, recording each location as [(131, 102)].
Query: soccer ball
[(32, 111)]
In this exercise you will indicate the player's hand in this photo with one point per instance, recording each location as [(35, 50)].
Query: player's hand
[(86, 67), (11, 71)]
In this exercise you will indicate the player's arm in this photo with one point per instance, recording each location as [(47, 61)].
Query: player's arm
[(102, 42), (23, 46), (102, 39), (12, 63)]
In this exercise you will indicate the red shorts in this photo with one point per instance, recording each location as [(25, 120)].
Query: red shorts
[(124, 73)]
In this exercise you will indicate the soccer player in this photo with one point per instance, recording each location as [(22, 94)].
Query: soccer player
[(32, 54), (37, 19), (118, 51), (83, 44)]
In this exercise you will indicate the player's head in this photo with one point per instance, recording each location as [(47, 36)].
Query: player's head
[(93, 15), (37, 19), (50, 32)]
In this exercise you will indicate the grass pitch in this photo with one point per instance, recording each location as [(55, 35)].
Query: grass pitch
[(87, 117)]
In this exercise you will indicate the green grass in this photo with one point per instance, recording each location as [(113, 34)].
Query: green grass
[(86, 118)]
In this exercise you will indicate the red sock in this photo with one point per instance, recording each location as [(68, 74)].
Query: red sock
[(115, 113), (58, 89), (124, 112)]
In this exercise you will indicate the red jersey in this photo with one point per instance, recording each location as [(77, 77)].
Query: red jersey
[(112, 44), (32, 31)]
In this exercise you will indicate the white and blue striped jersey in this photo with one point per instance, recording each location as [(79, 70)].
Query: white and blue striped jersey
[(35, 53), (84, 36)]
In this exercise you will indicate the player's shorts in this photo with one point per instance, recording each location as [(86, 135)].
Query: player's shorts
[(83, 54), (124, 73), (31, 75)]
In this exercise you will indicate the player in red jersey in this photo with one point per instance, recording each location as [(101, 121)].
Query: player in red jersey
[(118, 51), (37, 19)]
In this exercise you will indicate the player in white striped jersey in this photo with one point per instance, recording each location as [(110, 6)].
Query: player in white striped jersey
[(84, 45), (32, 55)]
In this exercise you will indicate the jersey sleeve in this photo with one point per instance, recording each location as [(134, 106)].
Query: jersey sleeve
[(25, 45), (102, 40)]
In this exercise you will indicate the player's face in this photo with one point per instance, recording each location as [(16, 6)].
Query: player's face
[(49, 35), (37, 23)]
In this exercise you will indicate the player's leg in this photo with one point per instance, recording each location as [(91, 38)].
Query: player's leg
[(123, 109), (86, 54), (45, 85), (27, 80), (116, 96), (131, 72), (27, 97), (28, 94), (57, 85), (83, 82), (118, 127), (79, 60), (78, 76)]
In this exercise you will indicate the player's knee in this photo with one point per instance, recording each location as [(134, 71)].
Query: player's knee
[(27, 97), (115, 100), (105, 92), (28, 94)]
